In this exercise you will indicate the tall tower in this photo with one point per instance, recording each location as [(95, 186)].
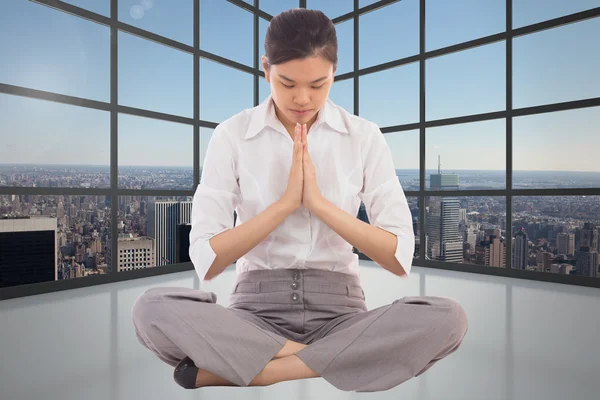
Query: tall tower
[(163, 218)]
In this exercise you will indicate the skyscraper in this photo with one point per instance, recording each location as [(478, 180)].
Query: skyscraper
[(444, 239), (521, 251), (589, 236), (134, 253), (163, 218), (565, 242), (28, 252), (442, 181), (587, 256)]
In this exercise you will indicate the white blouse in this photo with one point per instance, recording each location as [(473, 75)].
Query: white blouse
[(246, 169)]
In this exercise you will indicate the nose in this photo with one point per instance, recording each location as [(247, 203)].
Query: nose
[(302, 98)]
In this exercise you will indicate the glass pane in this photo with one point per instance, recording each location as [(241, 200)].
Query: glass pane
[(64, 237), (227, 30), (332, 9), (390, 97), (205, 135), (345, 36), (263, 25), (405, 153), (264, 89), (97, 6), (342, 94), (469, 230), (472, 156), (274, 7), (557, 65), (467, 82), (557, 150), (364, 3), (452, 22), (153, 231), (557, 234), (224, 91), (162, 18), (54, 128), (393, 30), (155, 154), (413, 203), (526, 12), (46, 49), (155, 77)]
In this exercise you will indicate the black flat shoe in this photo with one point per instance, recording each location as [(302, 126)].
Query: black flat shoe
[(185, 373)]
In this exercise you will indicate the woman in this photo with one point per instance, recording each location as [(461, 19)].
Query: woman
[(295, 169)]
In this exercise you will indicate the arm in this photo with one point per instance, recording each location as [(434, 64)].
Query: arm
[(214, 243), (389, 240), (379, 245)]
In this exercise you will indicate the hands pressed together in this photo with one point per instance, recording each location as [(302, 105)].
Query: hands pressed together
[(302, 186)]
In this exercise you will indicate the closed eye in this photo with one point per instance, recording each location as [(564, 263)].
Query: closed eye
[(289, 87)]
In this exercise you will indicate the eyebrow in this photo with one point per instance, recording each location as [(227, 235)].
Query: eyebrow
[(288, 79)]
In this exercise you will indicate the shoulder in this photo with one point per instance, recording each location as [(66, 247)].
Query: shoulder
[(234, 128), (359, 128)]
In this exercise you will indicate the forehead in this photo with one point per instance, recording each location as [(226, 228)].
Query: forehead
[(305, 70)]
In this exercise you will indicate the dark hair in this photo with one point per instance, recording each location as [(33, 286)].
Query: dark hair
[(299, 33)]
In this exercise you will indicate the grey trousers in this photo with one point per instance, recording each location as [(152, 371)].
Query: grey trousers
[(352, 348)]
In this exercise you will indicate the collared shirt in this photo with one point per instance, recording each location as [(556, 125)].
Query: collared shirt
[(246, 169)]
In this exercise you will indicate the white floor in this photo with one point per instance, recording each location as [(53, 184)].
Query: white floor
[(526, 340)]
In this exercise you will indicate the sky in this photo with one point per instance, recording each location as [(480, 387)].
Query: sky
[(53, 51)]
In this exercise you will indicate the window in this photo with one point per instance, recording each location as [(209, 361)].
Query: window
[(556, 65), (224, 91), (98, 6), (45, 238), (390, 97), (452, 22), (47, 49), (226, 30), (345, 36), (274, 7), (527, 12), (469, 230), (152, 224), (557, 149), (176, 23), (393, 30), (557, 234), (155, 154), (155, 77), (342, 94), (467, 82), (330, 8), (472, 156), (54, 128), (205, 135), (405, 153)]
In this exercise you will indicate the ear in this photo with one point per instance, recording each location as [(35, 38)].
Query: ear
[(265, 69)]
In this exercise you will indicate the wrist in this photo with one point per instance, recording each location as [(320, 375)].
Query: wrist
[(285, 206)]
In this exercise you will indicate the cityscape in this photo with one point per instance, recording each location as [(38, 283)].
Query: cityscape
[(551, 234)]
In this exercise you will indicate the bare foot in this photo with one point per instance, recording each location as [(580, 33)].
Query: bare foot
[(207, 378)]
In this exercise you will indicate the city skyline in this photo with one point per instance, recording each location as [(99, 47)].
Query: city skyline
[(76, 62), (60, 147)]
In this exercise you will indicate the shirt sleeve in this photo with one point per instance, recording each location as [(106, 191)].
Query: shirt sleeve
[(384, 198), (215, 200)]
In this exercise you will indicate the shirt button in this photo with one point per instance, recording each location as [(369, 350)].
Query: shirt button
[(295, 285), (295, 296)]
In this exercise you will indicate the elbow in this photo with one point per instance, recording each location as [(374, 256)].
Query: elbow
[(203, 258)]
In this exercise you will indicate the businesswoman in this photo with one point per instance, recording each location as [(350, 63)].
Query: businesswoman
[(295, 169)]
